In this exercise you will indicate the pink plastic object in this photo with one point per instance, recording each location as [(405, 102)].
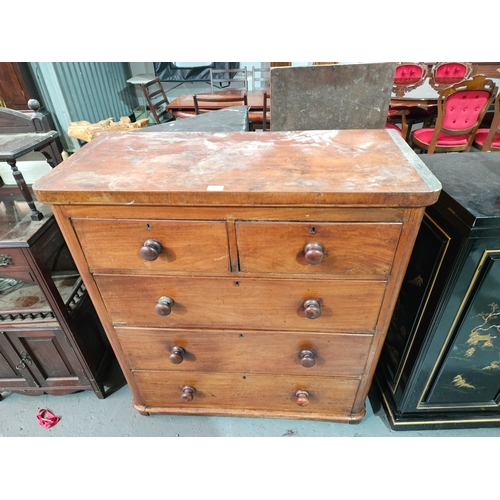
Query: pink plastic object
[(46, 418)]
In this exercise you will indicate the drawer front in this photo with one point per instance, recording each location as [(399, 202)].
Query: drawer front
[(12, 258), (345, 249), (252, 352), (179, 245), (247, 391), (346, 306)]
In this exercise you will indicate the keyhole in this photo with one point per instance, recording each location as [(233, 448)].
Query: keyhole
[(148, 227), (312, 230)]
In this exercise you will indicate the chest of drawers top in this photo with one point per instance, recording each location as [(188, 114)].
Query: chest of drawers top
[(309, 168)]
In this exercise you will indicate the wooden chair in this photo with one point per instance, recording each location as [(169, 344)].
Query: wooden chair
[(461, 108), (266, 115), (488, 139), (448, 73), (264, 79), (157, 100), (407, 77), (401, 115), (218, 100), (20, 134), (223, 78)]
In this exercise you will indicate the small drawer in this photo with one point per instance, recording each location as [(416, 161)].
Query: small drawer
[(245, 351), (338, 249), (12, 258), (154, 245), (246, 391), (247, 303)]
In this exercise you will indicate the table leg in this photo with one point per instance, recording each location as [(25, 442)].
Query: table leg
[(21, 183)]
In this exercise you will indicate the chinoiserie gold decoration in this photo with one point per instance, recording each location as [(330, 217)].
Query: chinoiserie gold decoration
[(417, 281), (459, 381)]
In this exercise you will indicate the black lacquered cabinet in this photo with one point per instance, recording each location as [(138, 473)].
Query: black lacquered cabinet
[(440, 366)]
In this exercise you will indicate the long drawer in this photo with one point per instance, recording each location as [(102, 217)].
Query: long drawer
[(246, 391), (337, 249), (172, 245), (248, 351), (261, 304)]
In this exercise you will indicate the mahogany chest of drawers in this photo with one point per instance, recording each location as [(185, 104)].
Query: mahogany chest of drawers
[(243, 273)]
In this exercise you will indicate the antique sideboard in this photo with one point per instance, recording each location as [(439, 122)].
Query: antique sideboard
[(440, 366), (51, 340), (244, 274)]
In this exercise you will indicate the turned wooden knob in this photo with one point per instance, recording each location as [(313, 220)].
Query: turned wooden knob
[(150, 250), (307, 358), (177, 355), (312, 310), (187, 393), (164, 306), (302, 398), (314, 253)]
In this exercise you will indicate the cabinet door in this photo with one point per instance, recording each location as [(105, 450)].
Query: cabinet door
[(13, 89), (14, 373), (44, 359)]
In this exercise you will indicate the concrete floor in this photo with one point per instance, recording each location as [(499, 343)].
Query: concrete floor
[(84, 415)]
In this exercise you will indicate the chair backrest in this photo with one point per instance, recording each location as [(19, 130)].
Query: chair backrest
[(461, 108), (222, 78), (266, 115), (23, 122), (494, 129), (408, 76), (218, 100), (156, 99), (264, 79), (447, 73)]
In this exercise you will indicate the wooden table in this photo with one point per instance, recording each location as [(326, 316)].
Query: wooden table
[(231, 119), (185, 102)]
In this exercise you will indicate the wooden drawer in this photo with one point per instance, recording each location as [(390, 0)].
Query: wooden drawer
[(260, 304), (246, 391), (247, 351), (184, 245), (349, 249), (12, 258)]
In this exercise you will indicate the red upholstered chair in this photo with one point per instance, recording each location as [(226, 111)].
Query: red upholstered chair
[(461, 108), (407, 77), (400, 115), (488, 139), (447, 73)]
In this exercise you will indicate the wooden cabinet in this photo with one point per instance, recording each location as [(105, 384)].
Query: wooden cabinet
[(51, 340), (240, 273), (17, 86), (440, 367)]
